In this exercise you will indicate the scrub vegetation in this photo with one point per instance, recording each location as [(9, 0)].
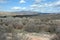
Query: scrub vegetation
[(30, 28)]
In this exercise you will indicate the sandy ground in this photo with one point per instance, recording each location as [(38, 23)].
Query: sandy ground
[(33, 36), (40, 37)]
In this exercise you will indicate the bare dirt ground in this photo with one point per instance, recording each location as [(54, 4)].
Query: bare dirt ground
[(33, 36), (40, 37)]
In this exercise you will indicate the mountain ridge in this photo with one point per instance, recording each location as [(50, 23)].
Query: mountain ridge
[(23, 13)]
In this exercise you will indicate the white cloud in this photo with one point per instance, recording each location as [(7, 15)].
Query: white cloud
[(54, 3), (16, 8), (45, 7), (50, 4), (23, 8), (42, 8), (57, 3), (37, 1), (22, 1), (36, 6)]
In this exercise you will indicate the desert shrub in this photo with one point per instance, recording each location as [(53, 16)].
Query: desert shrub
[(52, 28), (56, 37), (7, 21), (30, 27), (14, 22), (10, 28), (17, 25), (20, 36), (4, 30), (2, 36), (33, 27), (7, 29), (44, 27)]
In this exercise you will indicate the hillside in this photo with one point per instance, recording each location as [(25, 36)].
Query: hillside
[(18, 13)]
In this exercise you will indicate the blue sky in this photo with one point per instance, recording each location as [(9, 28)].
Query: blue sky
[(46, 6)]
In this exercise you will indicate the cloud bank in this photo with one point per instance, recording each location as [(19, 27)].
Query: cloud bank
[(34, 5), (22, 1)]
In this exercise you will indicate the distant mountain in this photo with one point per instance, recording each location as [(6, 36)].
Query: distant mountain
[(4, 13), (26, 13), (19, 13), (23, 13)]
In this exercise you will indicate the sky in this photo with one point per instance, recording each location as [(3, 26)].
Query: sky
[(45, 6)]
